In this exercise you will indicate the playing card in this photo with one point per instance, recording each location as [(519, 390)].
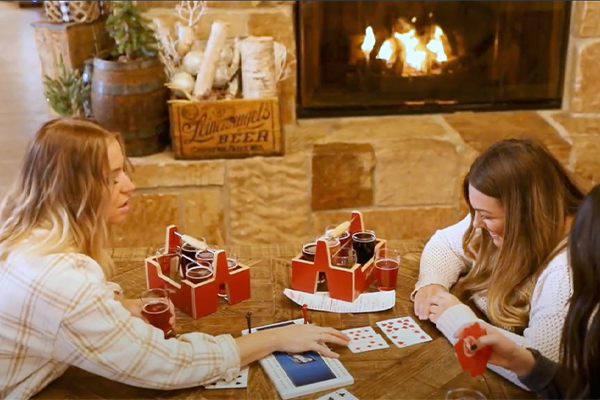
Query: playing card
[(374, 342), (241, 381), (365, 332), (474, 362), (403, 331), (340, 394)]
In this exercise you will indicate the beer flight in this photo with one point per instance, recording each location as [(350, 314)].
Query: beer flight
[(348, 250)]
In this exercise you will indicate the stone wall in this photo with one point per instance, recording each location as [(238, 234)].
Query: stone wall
[(403, 172)]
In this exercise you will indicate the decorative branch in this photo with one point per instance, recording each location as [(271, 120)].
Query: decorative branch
[(191, 11), (166, 47)]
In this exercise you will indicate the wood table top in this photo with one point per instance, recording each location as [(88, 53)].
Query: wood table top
[(423, 371)]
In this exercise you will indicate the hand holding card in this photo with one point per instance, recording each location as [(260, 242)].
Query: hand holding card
[(471, 359)]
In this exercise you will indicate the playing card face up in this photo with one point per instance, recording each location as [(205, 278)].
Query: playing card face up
[(341, 394), (473, 361), (241, 381), (365, 339), (403, 331), (366, 332), (377, 342)]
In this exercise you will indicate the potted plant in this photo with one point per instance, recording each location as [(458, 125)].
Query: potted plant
[(128, 85), (68, 92)]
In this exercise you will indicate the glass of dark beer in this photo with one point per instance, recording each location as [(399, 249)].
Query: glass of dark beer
[(364, 245)]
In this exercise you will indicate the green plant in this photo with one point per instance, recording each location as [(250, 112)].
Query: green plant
[(130, 30), (67, 92)]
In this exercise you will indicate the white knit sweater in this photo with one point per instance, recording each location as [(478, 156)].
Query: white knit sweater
[(443, 261)]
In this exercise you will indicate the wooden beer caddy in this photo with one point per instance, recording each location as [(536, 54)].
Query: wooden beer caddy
[(343, 283), (200, 299)]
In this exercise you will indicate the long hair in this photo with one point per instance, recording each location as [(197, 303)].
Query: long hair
[(62, 189), (581, 333), (538, 196)]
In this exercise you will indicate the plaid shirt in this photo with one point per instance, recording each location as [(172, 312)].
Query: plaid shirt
[(58, 310)]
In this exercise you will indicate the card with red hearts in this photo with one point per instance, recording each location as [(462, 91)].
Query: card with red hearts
[(365, 332), (473, 361), (365, 339), (403, 331)]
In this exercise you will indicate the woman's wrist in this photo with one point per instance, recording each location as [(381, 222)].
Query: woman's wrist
[(257, 345), (523, 362)]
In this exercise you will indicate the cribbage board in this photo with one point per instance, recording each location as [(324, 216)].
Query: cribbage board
[(295, 375)]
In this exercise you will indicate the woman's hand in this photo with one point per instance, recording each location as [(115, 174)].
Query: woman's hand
[(440, 302), (505, 353), (289, 339), (298, 338), (423, 299)]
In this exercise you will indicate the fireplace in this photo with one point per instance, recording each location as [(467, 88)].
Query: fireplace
[(397, 57)]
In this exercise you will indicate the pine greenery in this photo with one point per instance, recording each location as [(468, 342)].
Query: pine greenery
[(130, 30), (67, 92)]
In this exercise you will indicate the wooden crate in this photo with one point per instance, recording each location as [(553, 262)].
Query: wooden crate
[(225, 128), (75, 42)]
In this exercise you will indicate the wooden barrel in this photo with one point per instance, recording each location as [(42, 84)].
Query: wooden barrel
[(131, 98)]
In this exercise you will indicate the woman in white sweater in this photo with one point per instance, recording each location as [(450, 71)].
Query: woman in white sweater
[(509, 254), (58, 308)]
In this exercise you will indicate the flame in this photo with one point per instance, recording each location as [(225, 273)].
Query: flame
[(414, 53), (369, 41), (387, 52), (436, 45)]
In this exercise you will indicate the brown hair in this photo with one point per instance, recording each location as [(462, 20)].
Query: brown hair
[(537, 195), (581, 335), (63, 188)]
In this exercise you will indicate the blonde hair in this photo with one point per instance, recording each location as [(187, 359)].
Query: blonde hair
[(538, 196), (62, 188)]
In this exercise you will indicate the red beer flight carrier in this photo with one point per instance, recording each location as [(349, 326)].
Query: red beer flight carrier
[(200, 299), (342, 283)]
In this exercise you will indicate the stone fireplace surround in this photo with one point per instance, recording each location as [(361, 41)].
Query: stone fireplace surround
[(403, 172)]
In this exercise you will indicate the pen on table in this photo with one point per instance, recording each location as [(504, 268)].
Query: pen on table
[(249, 321)]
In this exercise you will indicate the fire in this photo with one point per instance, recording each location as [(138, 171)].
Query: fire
[(369, 42), (417, 54), (387, 53)]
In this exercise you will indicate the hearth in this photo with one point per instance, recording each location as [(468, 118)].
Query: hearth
[(395, 57)]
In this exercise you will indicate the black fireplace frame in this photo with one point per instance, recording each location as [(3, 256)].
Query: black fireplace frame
[(428, 108)]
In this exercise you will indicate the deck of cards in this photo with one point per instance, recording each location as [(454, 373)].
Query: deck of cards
[(473, 361)]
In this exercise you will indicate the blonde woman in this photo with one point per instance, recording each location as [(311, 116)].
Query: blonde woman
[(58, 308), (509, 254)]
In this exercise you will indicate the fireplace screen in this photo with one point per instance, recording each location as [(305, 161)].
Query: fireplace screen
[(389, 57)]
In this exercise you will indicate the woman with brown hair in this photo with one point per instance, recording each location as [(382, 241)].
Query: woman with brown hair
[(58, 308), (509, 254), (576, 377)]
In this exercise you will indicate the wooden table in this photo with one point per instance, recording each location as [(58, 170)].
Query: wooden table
[(424, 371)]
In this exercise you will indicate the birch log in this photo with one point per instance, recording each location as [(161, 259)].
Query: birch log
[(258, 68), (206, 74)]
